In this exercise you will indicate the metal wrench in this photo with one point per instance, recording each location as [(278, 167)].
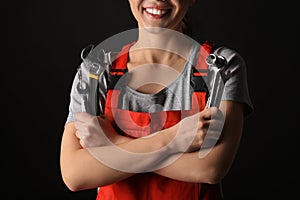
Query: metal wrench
[(89, 91), (217, 78), (83, 91)]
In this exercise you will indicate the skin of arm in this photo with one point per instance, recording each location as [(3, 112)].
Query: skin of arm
[(81, 170), (215, 165)]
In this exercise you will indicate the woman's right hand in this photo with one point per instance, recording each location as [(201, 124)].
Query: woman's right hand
[(96, 131), (89, 132)]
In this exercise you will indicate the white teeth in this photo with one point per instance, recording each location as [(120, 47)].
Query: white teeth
[(154, 11)]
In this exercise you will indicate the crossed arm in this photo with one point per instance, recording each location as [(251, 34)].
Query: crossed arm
[(81, 169)]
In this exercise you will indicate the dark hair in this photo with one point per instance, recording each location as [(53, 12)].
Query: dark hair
[(186, 27)]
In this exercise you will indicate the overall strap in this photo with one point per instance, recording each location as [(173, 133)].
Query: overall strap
[(205, 49), (200, 70), (118, 67)]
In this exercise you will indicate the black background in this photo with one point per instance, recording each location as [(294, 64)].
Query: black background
[(43, 40)]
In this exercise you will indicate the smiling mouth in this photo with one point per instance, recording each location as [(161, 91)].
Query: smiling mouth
[(158, 13)]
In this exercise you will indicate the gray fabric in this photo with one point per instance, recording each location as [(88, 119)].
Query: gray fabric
[(236, 88), (75, 96), (177, 96)]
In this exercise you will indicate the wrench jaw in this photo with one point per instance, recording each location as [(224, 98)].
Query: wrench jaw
[(217, 78), (216, 61)]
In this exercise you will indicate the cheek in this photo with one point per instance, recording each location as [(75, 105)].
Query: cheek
[(134, 7)]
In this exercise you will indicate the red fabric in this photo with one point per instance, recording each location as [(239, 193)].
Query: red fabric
[(121, 61), (205, 49), (150, 186)]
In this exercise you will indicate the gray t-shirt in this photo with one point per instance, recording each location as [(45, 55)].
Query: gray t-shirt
[(177, 95)]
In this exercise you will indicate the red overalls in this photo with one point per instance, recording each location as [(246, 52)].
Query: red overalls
[(150, 186)]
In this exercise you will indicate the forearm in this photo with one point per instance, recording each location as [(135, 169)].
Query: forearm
[(139, 155), (94, 167), (214, 165), (191, 168), (80, 170)]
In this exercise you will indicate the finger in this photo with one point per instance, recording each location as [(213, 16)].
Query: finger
[(212, 112), (81, 134), (206, 114), (82, 116), (79, 125), (77, 133), (82, 130), (82, 143)]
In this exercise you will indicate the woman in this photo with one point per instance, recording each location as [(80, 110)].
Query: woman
[(155, 126)]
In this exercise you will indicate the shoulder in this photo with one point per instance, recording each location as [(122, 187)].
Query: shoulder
[(236, 87), (229, 54)]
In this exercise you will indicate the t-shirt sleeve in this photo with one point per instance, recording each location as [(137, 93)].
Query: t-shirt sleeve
[(236, 87)]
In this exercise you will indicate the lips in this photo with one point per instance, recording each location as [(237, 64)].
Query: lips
[(156, 12)]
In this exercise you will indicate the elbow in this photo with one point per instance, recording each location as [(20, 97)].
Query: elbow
[(214, 178), (76, 180), (71, 179), (214, 175), (71, 182)]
